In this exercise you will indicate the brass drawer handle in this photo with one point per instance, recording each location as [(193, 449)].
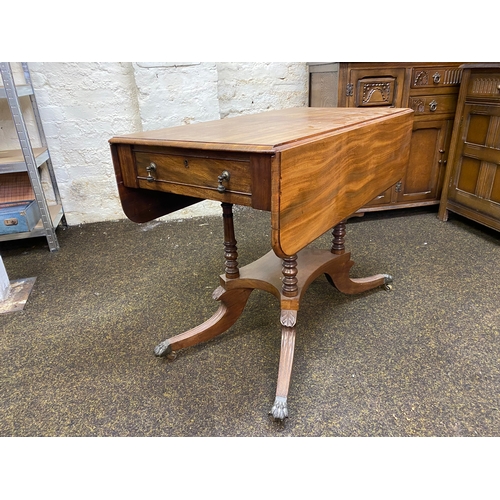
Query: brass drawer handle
[(436, 77), (225, 176), (149, 169), (433, 106)]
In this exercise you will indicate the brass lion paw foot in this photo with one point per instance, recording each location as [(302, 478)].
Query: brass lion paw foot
[(279, 411), (164, 350)]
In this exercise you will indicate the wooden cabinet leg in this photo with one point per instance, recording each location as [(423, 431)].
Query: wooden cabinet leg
[(443, 214)]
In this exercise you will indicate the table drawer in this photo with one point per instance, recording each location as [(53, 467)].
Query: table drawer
[(435, 77), (484, 85), (215, 175), (433, 104)]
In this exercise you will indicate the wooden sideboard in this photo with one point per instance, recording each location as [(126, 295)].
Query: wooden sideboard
[(472, 182), (430, 89)]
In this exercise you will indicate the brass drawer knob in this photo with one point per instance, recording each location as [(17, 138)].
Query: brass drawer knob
[(225, 176)]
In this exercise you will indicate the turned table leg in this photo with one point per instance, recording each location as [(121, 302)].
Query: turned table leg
[(290, 282), (230, 249), (338, 242)]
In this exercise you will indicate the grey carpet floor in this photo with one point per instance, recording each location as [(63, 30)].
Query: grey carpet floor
[(420, 360)]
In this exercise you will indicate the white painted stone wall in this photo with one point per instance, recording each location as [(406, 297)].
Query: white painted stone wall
[(83, 105), (253, 87)]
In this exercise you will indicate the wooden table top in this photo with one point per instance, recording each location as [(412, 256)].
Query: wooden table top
[(262, 132), (319, 165)]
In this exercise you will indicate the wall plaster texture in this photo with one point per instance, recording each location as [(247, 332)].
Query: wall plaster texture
[(84, 104)]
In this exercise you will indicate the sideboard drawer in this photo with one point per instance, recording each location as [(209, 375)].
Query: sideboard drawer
[(215, 175), (433, 104), (486, 85), (435, 77)]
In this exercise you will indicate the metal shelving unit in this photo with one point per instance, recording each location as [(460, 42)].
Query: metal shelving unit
[(29, 159)]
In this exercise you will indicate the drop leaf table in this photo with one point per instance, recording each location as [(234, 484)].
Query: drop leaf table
[(311, 168)]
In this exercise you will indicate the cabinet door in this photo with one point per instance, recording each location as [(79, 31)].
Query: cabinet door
[(428, 153), (476, 171), (375, 87)]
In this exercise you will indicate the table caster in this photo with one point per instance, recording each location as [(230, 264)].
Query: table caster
[(388, 279)]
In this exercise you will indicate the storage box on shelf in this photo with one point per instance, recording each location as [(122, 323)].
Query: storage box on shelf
[(19, 212), (18, 216)]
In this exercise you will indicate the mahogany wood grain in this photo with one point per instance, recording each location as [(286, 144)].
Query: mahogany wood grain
[(324, 181)]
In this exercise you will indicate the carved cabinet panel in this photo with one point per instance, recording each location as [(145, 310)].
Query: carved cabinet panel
[(472, 185), (375, 88), (431, 90)]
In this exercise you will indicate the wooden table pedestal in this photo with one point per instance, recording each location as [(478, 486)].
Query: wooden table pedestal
[(288, 280)]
